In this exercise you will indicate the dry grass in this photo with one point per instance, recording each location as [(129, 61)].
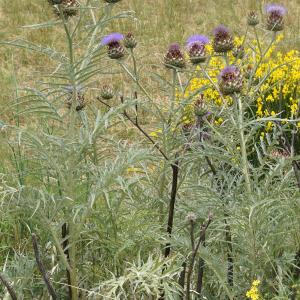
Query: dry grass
[(157, 23)]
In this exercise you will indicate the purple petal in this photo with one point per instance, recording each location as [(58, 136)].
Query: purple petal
[(197, 38), (220, 29), (271, 8), (174, 47), (113, 37), (228, 70)]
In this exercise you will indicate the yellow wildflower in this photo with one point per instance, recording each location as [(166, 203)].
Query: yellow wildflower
[(253, 293)]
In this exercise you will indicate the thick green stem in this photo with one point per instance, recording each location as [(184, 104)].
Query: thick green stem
[(243, 145), (173, 96)]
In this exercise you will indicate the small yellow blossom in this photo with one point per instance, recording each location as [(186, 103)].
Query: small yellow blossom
[(253, 293), (219, 121), (155, 133)]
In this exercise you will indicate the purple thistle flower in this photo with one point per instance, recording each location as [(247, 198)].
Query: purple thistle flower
[(111, 38), (223, 39), (275, 8), (115, 50), (197, 38), (275, 17), (174, 57), (230, 80)]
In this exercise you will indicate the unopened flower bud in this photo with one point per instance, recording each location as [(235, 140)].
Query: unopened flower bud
[(69, 8), (80, 99), (200, 107), (253, 18), (130, 41), (106, 92)]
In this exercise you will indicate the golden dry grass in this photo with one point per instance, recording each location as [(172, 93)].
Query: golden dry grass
[(156, 24)]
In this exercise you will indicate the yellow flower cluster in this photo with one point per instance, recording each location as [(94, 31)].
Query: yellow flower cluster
[(253, 293), (277, 72), (280, 92)]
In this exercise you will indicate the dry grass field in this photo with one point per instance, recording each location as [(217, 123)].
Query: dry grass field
[(156, 23)]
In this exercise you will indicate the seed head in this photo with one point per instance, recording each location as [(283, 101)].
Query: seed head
[(230, 80), (275, 17), (223, 39), (174, 58)]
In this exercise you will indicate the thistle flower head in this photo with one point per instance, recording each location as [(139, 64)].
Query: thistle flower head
[(197, 53), (196, 48), (230, 80), (275, 17), (174, 58), (68, 8), (253, 18), (106, 92), (130, 41), (223, 39), (197, 38), (115, 50)]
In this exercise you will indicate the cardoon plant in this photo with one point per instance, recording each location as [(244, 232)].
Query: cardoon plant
[(107, 188)]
